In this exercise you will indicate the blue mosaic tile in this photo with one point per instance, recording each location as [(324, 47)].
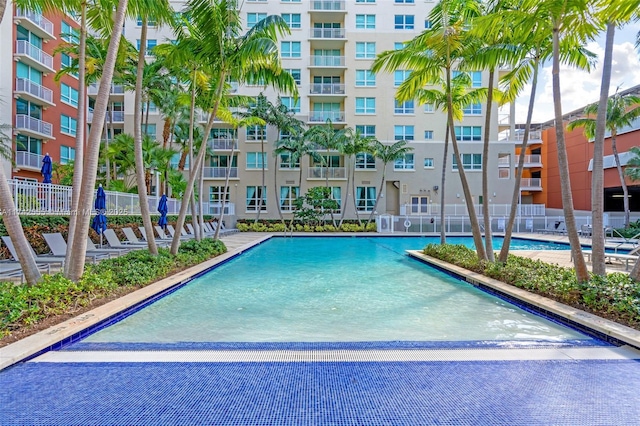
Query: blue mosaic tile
[(514, 393)]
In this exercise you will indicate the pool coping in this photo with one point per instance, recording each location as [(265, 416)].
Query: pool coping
[(44, 340), (605, 327)]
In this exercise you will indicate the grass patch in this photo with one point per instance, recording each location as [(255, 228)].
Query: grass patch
[(615, 297)]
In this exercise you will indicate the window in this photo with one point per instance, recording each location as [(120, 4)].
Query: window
[(67, 154), (256, 198), (399, 76), (428, 163), (26, 72), (419, 205), (67, 62), (365, 198), (403, 133), (404, 163), (365, 50), (256, 160), (405, 1), (365, 78), (254, 18), (428, 135), (398, 45), (504, 166), (256, 133), (151, 43), (366, 22), (405, 107), (216, 194), (290, 49), (365, 105), (68, 125), (427, 24), (336, 194), (292, 19), (68, 95), (291, 104), (149, 130), (288, 196), (175, 161), (286, 161), (295, 73), (366, 131), (68, 33), (404, 22), (28, 108), (150, 23), (365, 1), (365, 161), (504, 173), (468, 133), (429, 108), (152, 107), (469, 162), (475, 76), (473, 109), (28, 144), (290, 1)]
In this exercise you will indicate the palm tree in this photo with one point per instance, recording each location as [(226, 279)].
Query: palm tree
[(215, 40), (387, 153), (621, 111), (355, 144)]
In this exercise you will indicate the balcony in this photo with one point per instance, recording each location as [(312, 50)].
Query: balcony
[(34, 92), (320, 172), (321, 61), (532, 161), (116, 89), (28, 160), (535, 136), (327, 89), (219, 172), (35, 22), (34, 56), (111, 117), (323, 116), (328, 33), (328, 6), (222, 144), (34, 127), (531, 184)]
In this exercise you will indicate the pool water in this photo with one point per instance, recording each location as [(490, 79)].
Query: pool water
[(323, 289)]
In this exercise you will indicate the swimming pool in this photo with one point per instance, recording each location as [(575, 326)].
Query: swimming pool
[(328, 289)]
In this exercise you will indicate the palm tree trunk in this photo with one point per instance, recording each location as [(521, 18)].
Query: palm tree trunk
[(276, 192), (582, 273), (443, 180), (375, 206), (515, 196), (107, 162), (201, 202), (13, 225), (224, 194), (194, 216), (344, 208), (598, 265), (137, 135), (81, 129), (623, 183), (353, 195), (262, 188), (486, 213), (77, 254)]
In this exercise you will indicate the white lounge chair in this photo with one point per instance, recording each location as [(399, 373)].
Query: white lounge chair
[(133, 238), (626, 258), (58, 247), (52, 260), (114, 241)]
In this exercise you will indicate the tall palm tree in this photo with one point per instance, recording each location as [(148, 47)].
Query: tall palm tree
[(214, 35), (387, 154), (621, 111), (355, 144)]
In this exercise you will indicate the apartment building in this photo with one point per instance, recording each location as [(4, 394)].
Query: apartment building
[(43, 112)]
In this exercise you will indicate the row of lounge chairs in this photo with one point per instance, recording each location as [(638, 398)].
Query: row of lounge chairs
[(10, 268)]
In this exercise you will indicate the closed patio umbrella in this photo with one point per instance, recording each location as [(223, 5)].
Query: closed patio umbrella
[(162, 209), (99, 223), (47, 169)]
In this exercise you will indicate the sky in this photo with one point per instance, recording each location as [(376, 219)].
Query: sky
[(580, 88)]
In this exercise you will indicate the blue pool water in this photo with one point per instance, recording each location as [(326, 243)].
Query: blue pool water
[(332, 290)]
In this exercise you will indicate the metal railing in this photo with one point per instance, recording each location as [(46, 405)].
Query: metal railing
[(323, 116), (111, 116), (37, 18), (339, 33), (24, 121), (324, 172), (534, 183), (229, 208), (226, 144), (219, 172), (327, 89), (23, 47), (34, 89), (28, 159), (328, 5), (433, 209), (327, 61), (116, 89)]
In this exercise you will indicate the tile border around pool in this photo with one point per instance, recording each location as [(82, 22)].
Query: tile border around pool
[(612, 330), (76, 327)]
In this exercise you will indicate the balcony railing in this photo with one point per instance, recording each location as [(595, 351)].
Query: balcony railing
[(219, 172), (327, 61), (34, 125), (112, 116), (323, 116), (327, 172), (38, 20), (28, 159), (116, 89), (224, 144), (23, 47), (229, 208), (327, 89), (34, 89), (534, 135), (495, 210), (330, 33), (531, 184), (533, 160), (328, 5), (504, 162)]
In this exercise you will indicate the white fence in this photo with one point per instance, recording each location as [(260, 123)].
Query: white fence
[(432, 209), (33, 198)]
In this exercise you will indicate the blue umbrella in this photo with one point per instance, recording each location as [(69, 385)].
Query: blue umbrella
[(99, 223), (162, 208), (46, 169)]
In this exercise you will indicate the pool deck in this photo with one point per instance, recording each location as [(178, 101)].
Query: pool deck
[(528, 385)]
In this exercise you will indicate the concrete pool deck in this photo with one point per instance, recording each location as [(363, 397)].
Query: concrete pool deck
[(236, 244)]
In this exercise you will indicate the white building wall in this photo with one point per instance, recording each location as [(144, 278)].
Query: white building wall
[(6, 78)]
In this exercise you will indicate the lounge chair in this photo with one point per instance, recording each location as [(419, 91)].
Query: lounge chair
[(52, 260), (205, 233), (631, 256), (114, 241), (551, 227), (161, 234), (113, 251), (12, 269), (58, 247), (133, 239), (183, 234), (561, 229)]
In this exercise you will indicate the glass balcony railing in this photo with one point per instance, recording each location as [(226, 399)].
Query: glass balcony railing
[(328, 5), (326, 61), (323, 116), (40, 22), (25, 122), (328, 33), (42, 93), (219, 172), (320, 172), (23, 47), (28, 159), (327, 89)]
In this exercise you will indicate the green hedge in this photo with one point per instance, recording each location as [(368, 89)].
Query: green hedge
[(23, 306), (615, 296)]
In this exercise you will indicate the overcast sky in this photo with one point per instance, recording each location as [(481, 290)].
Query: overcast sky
[(580, 88)]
